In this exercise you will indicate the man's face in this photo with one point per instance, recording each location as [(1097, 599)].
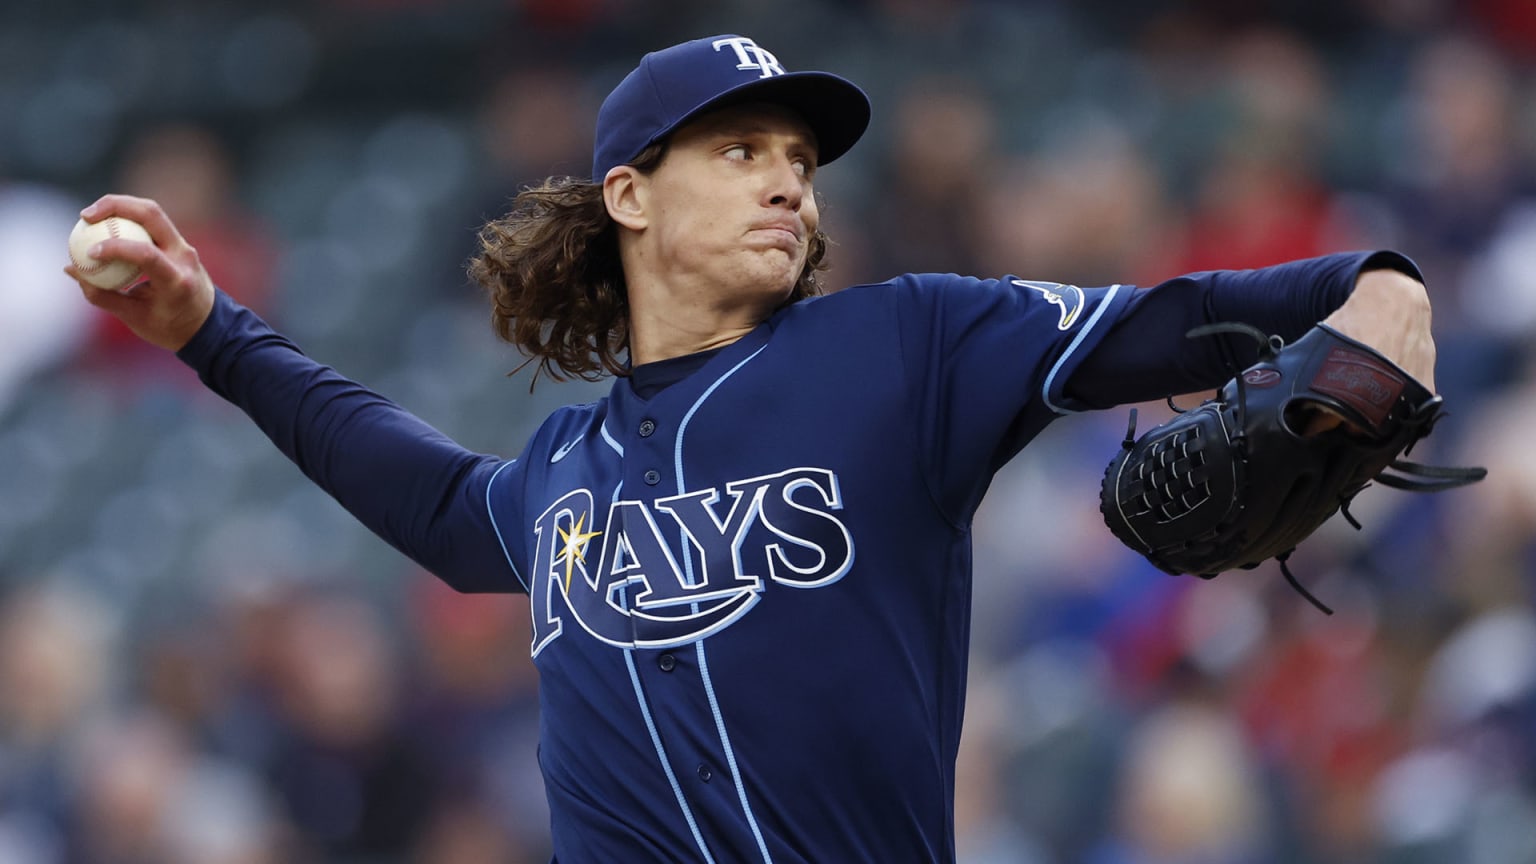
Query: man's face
[(731, 202)]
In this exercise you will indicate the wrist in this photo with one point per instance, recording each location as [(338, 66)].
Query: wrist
[(1390, 311)]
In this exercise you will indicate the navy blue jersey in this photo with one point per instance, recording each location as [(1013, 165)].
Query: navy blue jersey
[(751, 590)]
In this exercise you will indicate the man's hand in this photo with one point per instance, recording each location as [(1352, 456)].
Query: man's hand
[(168, 308), (1389, 311)]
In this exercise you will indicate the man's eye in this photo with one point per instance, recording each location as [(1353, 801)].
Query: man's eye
[(737, 151)]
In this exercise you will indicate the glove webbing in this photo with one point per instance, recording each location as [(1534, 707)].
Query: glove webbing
[(1130, 441)]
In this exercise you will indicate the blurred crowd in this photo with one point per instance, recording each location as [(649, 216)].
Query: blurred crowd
[(203, 660)]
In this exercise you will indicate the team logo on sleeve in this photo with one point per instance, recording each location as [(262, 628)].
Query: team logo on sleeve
[(1068, 299), (674, 570)]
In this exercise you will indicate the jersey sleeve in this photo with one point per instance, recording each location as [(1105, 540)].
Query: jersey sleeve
[(985, 361), (1145, 355), (406, 481)]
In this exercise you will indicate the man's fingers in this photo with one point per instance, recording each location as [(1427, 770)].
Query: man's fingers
[(1319, 421), (107, 299), (1317, 418), (154, 263), (147, 257), (144, 211)]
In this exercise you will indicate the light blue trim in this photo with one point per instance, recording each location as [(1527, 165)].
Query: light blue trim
[(677, 449), (609, 438), (1082, 334), (650, 725), (730, 752), (661, 753), (497, 528), (709, 686)]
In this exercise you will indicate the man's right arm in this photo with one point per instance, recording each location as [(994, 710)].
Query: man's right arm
[(401, 478), (406, 481)]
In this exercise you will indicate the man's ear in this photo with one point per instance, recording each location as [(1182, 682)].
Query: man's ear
[(624, 194)]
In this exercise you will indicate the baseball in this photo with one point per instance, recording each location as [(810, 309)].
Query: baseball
[(112, 275)]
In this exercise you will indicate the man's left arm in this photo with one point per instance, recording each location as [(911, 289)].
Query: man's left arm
[(1377, 298)]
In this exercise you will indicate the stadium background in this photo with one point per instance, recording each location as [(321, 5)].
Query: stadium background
[(202, 659)]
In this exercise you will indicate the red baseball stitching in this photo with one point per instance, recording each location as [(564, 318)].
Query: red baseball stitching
[(100, 265)]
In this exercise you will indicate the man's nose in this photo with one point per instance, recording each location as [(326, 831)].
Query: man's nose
[(786, 186)]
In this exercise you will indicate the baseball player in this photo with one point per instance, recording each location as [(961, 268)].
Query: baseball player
[(749, 565)]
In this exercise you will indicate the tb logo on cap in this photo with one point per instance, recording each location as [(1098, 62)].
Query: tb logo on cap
[(750, 55)]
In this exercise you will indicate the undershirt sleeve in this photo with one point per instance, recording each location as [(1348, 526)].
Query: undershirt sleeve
[(406, 481), (1146, 356)]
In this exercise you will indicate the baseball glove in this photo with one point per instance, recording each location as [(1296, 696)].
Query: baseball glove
[(1239, 479)]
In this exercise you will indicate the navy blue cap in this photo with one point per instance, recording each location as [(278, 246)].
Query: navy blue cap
[(677, 84)]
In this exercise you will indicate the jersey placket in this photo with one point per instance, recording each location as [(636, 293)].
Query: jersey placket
[(670, 677)]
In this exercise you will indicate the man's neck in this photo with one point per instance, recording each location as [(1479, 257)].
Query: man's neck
[(664, 339), (665, 324)]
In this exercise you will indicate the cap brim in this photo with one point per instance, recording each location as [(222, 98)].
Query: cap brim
[(834, 107)]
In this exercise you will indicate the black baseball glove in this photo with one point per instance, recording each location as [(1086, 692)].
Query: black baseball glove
[(1241, 478)]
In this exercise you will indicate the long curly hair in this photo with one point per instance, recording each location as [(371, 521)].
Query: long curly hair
[(551, 270)]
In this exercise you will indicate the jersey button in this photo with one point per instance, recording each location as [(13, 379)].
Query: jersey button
[(705, 774), (647, 428), (652, 477), (667, 662)]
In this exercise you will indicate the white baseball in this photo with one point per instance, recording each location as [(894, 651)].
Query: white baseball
[(112, 275)]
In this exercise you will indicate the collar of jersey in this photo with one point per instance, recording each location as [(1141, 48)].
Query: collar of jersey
[(692, 384), (649, 379)]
